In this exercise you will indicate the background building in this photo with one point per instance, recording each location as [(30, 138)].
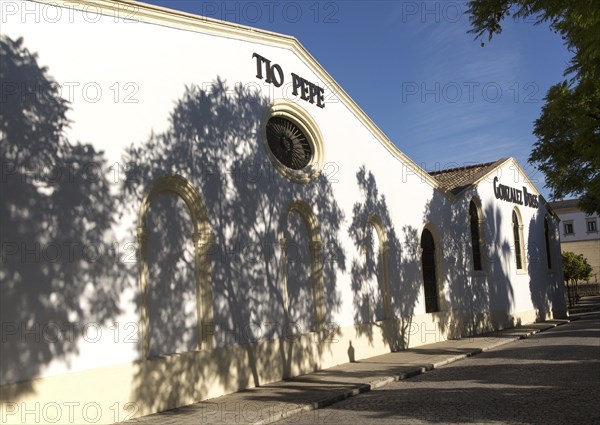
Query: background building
[(579, 233)]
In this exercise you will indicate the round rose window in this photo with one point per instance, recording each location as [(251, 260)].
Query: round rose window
[(288, 143)]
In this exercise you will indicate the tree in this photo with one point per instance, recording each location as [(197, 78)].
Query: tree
[(575, 268), (568, 129)]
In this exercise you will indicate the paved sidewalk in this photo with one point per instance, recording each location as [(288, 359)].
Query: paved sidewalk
[(585, 305), (272, 402)]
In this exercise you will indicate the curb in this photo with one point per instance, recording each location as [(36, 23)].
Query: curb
[(381, 382), (580, 310)]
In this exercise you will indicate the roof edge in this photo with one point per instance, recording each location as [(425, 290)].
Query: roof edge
[(149, 13)]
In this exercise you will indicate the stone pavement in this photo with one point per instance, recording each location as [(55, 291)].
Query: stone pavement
[(289, 398), (551, 378), (586, 305)]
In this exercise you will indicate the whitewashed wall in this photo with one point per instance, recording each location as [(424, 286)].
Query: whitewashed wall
[(142, 71)]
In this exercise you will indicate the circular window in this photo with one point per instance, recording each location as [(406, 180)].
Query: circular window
[(288, 143), (292, 141)]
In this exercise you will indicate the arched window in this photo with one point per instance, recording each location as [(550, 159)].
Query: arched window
[(376, 279), (475, 237), (202, 238), (547, 240), (517, 235), (301, 251), (429, 271)]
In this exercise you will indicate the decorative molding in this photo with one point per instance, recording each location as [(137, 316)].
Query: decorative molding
[(481, 225), (386, 290), (202, 238), (299, 116), (316, 258)]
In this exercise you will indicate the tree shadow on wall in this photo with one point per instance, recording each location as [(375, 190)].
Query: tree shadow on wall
[(214, 141), (381, 259), (469, 295), (545, 284), (59, 271), (172, 305)]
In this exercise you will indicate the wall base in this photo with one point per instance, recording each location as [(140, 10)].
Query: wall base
[(112, 394)]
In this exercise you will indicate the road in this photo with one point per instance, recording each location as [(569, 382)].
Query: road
[(549, 378)]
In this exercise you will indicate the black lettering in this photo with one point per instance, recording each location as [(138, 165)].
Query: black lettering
[(296, 84), (320, 97), (496, 191), (259, 61), (514, 195), (276, 82)]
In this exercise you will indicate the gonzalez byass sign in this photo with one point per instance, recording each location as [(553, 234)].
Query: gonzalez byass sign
[(514, 195)]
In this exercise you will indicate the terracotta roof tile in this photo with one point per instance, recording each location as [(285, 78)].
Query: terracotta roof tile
[(456, 180)]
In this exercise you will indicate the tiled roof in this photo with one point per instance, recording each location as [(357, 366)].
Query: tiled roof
[(456, 180), (567, 203)]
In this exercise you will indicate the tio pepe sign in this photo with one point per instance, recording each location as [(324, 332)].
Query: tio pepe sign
[(516, 196), (273, 74)]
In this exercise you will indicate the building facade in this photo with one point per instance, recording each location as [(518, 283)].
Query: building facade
[(579, 233), (192, 207)]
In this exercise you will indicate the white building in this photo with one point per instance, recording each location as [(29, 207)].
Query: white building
[(579, 233), (219, 214)]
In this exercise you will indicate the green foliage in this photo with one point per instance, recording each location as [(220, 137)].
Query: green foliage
[(568, 145), (575, 267), (568, 130)]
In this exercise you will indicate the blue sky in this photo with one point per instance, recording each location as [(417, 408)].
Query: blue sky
[(443, 99)]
